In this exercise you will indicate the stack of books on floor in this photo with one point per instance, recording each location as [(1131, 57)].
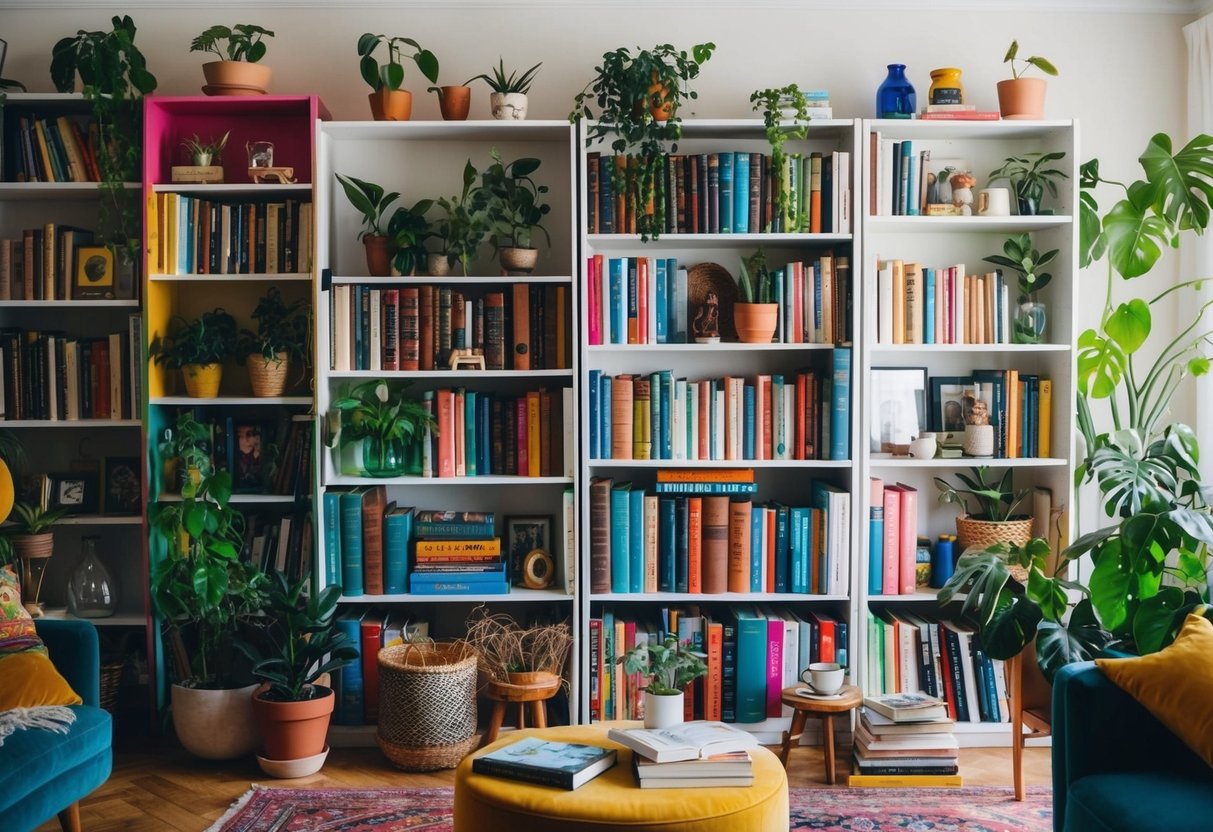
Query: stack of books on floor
[(905, 740), (693, 755)]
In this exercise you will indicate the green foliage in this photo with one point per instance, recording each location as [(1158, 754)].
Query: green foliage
[(754, 282), (462, 230), (372, 408), (1020, 256), (210, 149), (1030, 175), (785, 115), (500, 82), (281, 327), (390, 76), (668, 667), (34, 519), (408, 229), (995, 501), (244, 42), (1043, 64), (370, 200), (208, 339), (188, 443), (304, 644), (627, 89), (511, 202)]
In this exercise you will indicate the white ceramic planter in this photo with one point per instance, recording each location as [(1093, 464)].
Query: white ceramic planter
[(662, 711), (215, 724), (508, 106)]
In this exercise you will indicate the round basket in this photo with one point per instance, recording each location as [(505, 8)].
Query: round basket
[(427, 705), (982, 534), (111, 682), (268, 376)]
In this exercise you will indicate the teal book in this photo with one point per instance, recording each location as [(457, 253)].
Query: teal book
[(758, 520), (706, 487), (332, 538), (595, 383), (840, 405), (604, 417), (741, 193), (783, 548), (620, 537), (636, 541), (667, 568), (619, 313), (458, 586), (725, 205), (751, 666), (564, 765), (397, 530), (351, 542), (798, 518), (348, 708), (495, 573), (663, 302), (681, 532)]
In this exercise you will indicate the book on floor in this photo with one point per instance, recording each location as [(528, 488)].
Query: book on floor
[(688, 741), (565, 765), (907, 707)]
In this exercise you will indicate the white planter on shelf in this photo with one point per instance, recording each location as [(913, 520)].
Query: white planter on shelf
[(663, 710)]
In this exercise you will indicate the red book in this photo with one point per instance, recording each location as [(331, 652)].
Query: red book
[(947, 688), (425, 325), (446, 432), (372, 640), (410, 328), (520, 412), (101, 373), (712, 691), (695, 544)]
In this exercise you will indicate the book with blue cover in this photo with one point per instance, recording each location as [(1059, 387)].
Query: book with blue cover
[(565, 765)]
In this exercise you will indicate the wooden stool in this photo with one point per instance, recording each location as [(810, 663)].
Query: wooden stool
[(804, 706), (536, 691)]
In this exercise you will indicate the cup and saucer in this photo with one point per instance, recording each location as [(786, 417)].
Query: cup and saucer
[(823, 679)]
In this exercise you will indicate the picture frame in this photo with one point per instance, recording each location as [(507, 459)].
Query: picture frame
[(95, 274), (524, 534), (122, 486), (248, 446), (948, 410), (76, 492), (899, 413)]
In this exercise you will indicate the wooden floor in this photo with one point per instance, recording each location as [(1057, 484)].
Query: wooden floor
[(166, 790)]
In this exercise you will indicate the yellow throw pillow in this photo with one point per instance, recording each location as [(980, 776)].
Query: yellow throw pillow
[(30, 679), (1175, 684)]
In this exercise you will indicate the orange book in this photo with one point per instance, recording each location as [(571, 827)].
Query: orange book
[(712, 691), (694, 544), (705, 475), (371, 638), (768, 416), (446, 432), (621, 417), (705, 420), (715, 544), (1014, 414), (532, 433), (374, 502), (739, 545), (562, 329), (521, 312)]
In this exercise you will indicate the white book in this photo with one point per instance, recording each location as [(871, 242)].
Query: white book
[(570, 543), (689, 741), (718, 417), (678, 436), (342, 313), (839, 556), (958, 285), (787, 275), (376, 346), (679, 301), (427, 454), (225, 240), (884, 302), (651, 292), (969, 674), (1000, 689), (907, 656), (693, 421), (842, 173), (888, 640)]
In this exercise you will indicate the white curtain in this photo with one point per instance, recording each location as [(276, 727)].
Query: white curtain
[(1196, 253)]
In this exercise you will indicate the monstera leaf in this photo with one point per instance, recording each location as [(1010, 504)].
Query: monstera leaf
[(1129, 325), (1014, 624), (1131, 479), (1135, 235), (982, 576), (1101, 365), (1080, 639), (1183, 181), (1156, 618)]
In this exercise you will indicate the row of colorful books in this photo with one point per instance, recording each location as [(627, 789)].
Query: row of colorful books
[(906, 181), (643, 300), (59, 262), (801, 415), (418, 327), (905, 740), (751, 654), (688, 537), (726, 192), (52, 149), (356, 686), (917, 304)]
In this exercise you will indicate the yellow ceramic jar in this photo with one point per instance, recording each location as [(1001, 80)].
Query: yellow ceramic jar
[(946, 87)]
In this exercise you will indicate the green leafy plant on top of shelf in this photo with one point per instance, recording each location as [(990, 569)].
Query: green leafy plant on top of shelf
[(282, 328), (1043, 64), (1030, 177), (785, 115), (463, 229), (242, 42), (993, 500), (500, 82), (510, 201), (1020, 256), (390, 75), (408, 229), (668, 667), (208, 339)]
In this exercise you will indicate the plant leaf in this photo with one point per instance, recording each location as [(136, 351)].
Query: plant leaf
[(1155, 619), (1129, 326), (1183, 181)]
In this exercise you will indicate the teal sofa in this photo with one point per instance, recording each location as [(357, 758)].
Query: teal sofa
[(43, 773), (1116, 767)]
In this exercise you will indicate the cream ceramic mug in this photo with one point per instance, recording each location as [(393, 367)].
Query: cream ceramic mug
[(824, 677), (994, 202)]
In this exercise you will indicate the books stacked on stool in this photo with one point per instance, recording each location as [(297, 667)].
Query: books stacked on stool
[(905, 740), (692, 755)]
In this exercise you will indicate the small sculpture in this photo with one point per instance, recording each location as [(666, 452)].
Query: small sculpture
[(979, 433), (706, 325), (962, 192)]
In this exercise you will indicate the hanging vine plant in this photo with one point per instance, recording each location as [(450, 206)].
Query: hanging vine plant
[(638, 97), (785, 116)]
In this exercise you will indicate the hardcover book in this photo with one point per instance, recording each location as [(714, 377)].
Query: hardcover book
[(688, 741), (565, 765)]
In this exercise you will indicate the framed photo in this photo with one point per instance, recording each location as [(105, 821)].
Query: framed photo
[(524, 534), (77, 492), (948, 402), (94, 273), (121, 490), (899, 412), (248, 457)]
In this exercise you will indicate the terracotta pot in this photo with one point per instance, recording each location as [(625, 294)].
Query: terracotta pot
[(1022, 98), (215, 724), (661, 103), (293, 730), (268, 375), (519, 259), (378, 255), (391, 105), (454, 102), (755, 322), (237, 75), (202, 380), (508, 106)]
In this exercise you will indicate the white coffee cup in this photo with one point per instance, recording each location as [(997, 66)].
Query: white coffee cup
[(824, 677), (994, 202)]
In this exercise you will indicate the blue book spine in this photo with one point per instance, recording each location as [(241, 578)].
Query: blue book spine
[(782, 303), (706, 488), (357, 303), (876, 550), (606, 194), (452, 530), (682, 544), (896, 195), (663, 302), (842, 654), (741, 193), (489, 577), (485, 442), (595, 439), (469, 432), (840, 405), (620, 536), (349, 706), (460, 587), (667, 555), (657, 412), (782, 549), (751, 667), (397, 529), (806, 537), (758, 516), (351, 543), (748, 429), (332, 538), (928, 308), (798, 581), (619, 323), (604, 418), (725, 203), (636, 541)]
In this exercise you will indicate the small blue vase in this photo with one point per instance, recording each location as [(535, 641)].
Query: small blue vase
[(895, 97)]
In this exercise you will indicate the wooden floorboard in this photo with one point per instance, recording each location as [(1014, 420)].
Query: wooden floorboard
[(163, 789)]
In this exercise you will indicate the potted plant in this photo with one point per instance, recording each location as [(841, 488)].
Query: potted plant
[(989, 516), (376, 430), (204, 156), (785, 116), (185, 454), (1021, 257), (508, 101), (33, 542), (1030, 177), (637, 97), (669, 669), (408, 229), (388, 101), (239, 48), (205, 594), (370, 199), (198, 348), (510, 201), (292, 711), (461, 231), (281, 337), (755, 315), (1023, 98), (454, 102)]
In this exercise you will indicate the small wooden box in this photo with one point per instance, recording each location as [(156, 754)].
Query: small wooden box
[(206, 174)]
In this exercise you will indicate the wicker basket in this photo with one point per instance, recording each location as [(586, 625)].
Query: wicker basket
[(111, 682), (427, 705), (268, 377), (982, 534)]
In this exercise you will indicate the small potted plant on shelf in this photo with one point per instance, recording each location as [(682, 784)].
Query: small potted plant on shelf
[(408, 229), (185, 454), (33, 542), (989, 509), (461, 231), (377, 431), (454, 102), (638, 98), (281, 337), (1019, 97), (510, 201), (669, 668), (370, 199), (1019, 255), (239, 49), (198, 348), (204, 157), (755, 314), (508, 101), (291, 709), (388, 101), (1030, 177), (785, 115)]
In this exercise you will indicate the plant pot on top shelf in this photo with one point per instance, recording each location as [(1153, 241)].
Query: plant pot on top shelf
[(454, 102), (388, 101), (391, 105), (237, 71), (507, 101), (1019, 97)]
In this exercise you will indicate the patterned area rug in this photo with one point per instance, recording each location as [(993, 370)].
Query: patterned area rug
[(828, 810)]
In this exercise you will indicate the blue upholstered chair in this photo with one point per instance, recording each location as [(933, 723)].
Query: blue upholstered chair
[(43, 773)]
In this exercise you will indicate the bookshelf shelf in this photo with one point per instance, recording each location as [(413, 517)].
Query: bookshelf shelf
[(45, 191), (61, 305), (958, 225), (245, 499), (723, 597), (471, 280), (342, 479), (118, 619), (709, 464), (449, 375), (99, 520), (234, 189), (71, 423), (963, 349), (516, 594), (221, 401), (230, 278), (966, 462), (615, 242), (704, 348)]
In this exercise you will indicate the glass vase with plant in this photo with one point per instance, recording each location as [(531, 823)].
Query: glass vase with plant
[(785, 115), (1031, 176), (376, 426), (1020, 256)]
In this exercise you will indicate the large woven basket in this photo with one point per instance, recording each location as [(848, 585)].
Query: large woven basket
[(427, 705), (111, 682), (982, 534)]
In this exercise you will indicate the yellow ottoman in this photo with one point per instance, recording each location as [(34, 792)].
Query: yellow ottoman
[(612, 800)]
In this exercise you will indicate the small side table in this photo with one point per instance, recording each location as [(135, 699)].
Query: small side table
[(536, 689), (803, 706)]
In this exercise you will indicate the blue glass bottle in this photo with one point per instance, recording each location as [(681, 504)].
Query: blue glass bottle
[(895, 97)]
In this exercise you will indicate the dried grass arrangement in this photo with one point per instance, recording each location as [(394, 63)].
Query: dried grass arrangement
[(505, 647)]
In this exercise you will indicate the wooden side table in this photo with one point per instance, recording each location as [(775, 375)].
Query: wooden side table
[(804, 706), (535, 691)]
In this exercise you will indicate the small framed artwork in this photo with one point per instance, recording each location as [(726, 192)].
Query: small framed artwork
[(249, 444), (94, 273), (948, 402), (899, 412), (523, 535), (121, 490), (76, 492)]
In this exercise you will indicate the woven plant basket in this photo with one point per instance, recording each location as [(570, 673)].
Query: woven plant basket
[(268, 378), (427, 705), (111, 681), (983, 534)]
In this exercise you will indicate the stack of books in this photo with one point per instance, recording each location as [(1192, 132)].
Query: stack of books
[(905, 740), (693, 755), (456, 553)]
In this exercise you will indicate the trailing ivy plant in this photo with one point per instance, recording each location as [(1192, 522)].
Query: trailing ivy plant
[(785, 115)]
